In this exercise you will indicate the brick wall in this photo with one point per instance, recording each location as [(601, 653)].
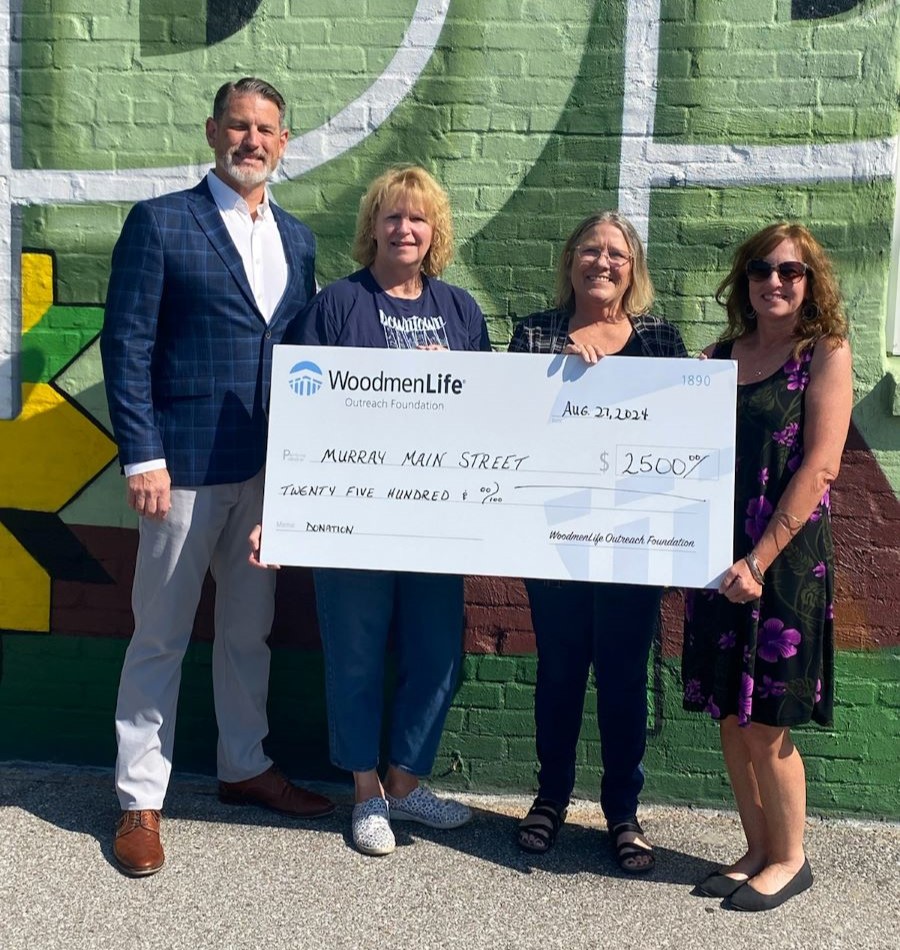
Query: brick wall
[(702, 121)]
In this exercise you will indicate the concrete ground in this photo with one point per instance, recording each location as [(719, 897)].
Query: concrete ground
[(245, 878)]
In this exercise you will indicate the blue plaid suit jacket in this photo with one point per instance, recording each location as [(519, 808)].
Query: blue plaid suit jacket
[(186, 352)]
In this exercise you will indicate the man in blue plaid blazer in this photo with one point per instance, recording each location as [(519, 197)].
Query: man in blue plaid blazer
[(203, 284)]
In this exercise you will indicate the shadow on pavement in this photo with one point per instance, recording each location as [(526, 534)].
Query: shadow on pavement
[(85, 804), (491, 836)]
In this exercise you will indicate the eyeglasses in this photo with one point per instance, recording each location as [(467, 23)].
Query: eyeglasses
[(590, 255), (790, 271)]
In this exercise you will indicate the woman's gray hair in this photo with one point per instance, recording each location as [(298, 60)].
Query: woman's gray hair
[(639, 295)]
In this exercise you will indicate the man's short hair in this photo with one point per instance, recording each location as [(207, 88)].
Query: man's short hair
[(248, 86)]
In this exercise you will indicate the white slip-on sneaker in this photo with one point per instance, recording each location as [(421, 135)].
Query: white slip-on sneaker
[(372, 827), (423, 806)]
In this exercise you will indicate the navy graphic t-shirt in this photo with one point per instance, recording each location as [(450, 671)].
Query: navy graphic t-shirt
[(355, 311), (405, 328)]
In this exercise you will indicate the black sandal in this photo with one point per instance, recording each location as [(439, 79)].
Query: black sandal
[(627, 851), (542, 823)]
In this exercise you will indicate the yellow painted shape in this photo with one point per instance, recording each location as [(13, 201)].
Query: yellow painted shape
[(49, 452), (24, 588), (37, 288)]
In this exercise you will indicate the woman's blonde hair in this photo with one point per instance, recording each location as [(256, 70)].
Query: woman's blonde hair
[(413, 183), (638, 297), (822, 312)]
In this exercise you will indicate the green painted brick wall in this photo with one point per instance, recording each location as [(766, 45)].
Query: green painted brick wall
[(488, 742), (519, 112)]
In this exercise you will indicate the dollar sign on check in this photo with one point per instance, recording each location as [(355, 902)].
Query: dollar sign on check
[(604, 464)]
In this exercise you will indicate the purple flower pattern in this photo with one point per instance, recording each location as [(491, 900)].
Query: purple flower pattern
[(776, 640), (769, 687), (798, 373), (727, 640), (692, 693), (745, 699), (787, 435), (759, 511), (779, 655)]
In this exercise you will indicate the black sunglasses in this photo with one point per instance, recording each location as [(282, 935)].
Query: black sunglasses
[(791, 271)]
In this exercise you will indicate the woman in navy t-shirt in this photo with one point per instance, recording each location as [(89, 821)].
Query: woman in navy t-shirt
[(404, 240)]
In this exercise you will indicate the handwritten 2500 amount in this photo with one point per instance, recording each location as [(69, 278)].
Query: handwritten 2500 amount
[(637, 462)]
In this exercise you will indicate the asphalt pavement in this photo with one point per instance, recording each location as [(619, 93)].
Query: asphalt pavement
[(245, 878)]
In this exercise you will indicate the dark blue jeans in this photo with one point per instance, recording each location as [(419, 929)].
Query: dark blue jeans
[(612, 627), (357, 610)]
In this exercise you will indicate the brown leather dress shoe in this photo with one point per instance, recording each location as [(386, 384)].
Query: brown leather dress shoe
[(272, 790), (137, 847)]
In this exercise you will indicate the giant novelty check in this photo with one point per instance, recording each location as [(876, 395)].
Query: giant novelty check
[(504, 464)]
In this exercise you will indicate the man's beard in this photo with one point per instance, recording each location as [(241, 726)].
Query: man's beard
[(247, 175)]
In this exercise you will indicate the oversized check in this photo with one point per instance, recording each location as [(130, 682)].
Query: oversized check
[(506, 464)]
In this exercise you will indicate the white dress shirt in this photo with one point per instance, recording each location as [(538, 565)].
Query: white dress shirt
[(257, 241)]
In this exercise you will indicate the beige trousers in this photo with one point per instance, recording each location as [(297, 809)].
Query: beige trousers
[(206, 527)]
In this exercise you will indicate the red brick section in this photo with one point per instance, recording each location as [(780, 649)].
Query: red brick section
[(104, 610), (100, 610), (867, 540), (497, 617), (866, 515)]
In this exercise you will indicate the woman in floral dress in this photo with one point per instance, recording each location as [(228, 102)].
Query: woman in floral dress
[(758, 654)]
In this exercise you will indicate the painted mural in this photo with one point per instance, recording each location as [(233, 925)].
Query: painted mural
[(700, 119)]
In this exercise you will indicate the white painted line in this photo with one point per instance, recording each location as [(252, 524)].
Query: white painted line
[(365, 114), (645, 164), (680, 165), (20, 187), (348, 128), (638, 111)]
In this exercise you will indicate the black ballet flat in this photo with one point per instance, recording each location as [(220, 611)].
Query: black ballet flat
[(719, 885), (747, 898)]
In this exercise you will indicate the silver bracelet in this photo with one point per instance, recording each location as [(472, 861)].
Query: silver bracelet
[(755, 571)]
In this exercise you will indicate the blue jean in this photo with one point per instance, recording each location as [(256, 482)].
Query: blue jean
[(357, 610), (612, 627)]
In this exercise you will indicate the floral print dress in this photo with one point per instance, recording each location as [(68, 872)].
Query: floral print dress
[(770, 661)]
